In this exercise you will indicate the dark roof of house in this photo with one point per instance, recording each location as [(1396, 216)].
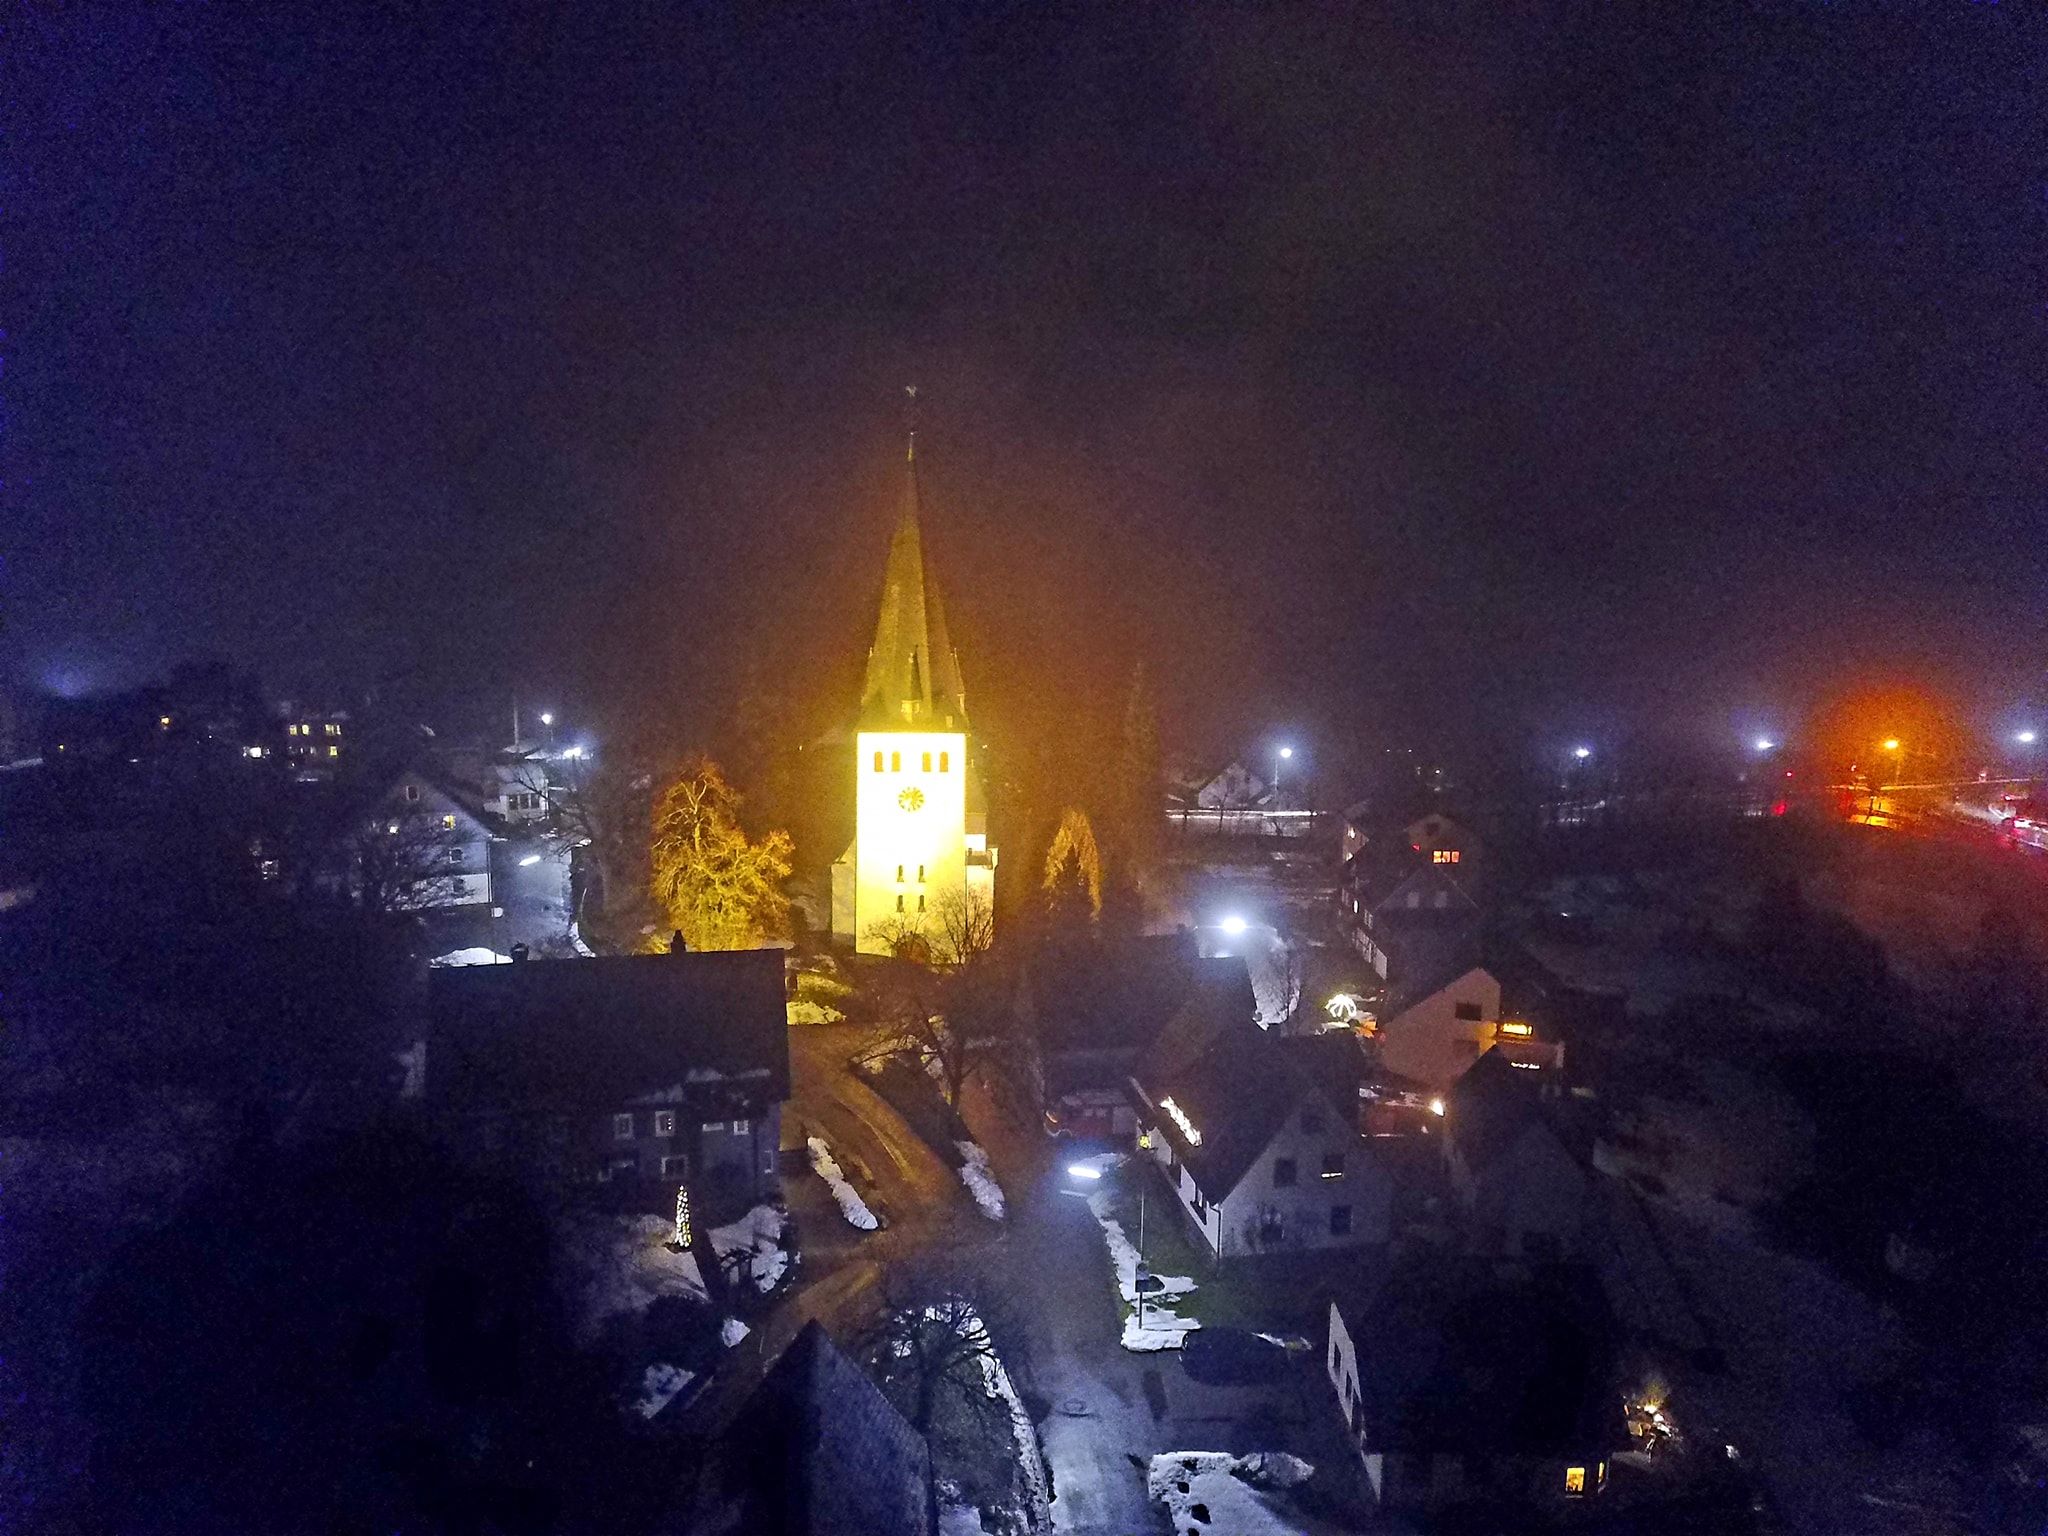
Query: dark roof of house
[(1111, 996), (593, 1033), (1219, 998), (1236, 1092), (1456, 1357), (816, 1450), (1487, 1109), (1458, 958), (1335, 1062)]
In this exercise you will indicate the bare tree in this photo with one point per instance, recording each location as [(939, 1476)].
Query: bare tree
[(965, 927), (959, 1023), (404, 861)]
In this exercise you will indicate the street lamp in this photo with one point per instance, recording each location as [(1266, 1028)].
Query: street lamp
[(1764, 744), (547, 719), (1582, 753), (1279, 756), (2024, 738)]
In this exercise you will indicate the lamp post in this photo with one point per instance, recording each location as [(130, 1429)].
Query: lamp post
[(1138, 1278), (547, 719), (1279, 756)]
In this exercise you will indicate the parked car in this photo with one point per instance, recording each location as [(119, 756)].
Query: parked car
[(1225, 1355)]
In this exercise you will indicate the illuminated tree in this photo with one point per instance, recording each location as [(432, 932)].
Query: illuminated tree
[(1073, 867), (716, 887)]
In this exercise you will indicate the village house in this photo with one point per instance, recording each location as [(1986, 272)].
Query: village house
[(655, 1069), (1093, 1008), (1458, 1383), (1435, 1028), (1406, 914), (1262, 1154), (1520, 1189), (816, 1450)]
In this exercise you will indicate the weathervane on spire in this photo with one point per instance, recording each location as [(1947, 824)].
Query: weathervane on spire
[(910, 419)]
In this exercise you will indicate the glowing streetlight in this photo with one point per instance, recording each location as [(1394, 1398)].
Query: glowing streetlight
[(1891, 743), (1582, 753), (1232, 924), (1436, 1106), (1280, 755), (547, 719), (2024, 738), (1764, 744)]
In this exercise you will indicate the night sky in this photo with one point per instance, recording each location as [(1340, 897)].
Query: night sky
[(1437, 375)]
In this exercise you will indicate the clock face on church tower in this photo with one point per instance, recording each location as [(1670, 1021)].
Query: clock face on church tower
[(911, 799)]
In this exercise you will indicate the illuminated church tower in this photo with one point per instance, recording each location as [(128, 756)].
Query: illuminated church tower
[(919, 863)]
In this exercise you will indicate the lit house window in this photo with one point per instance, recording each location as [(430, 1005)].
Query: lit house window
[(448, 822), (163, 722), (664, 1122), (1333, 1165), (743, 1127), (334, 751), (1443, 856), (714, 1127), (333, 729), (622, 1127), (1517, 1028), (1575, 1482)]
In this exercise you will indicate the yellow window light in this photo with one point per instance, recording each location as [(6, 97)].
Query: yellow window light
[(1517, 1028), (1575, 1481)]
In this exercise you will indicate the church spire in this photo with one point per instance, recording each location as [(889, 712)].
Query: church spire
[(913, 677)]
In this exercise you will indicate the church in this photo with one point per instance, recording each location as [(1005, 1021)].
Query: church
[(920, 871)]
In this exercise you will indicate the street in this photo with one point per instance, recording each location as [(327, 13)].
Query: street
[(1044, 1272)]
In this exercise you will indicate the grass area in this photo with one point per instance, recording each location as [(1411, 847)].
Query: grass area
[(1270, 1292)]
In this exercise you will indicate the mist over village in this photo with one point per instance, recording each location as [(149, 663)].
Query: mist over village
[(1234, 772)]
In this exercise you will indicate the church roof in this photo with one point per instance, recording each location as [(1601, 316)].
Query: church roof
[(913, 678)]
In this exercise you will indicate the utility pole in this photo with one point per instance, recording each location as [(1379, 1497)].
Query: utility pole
[(1138, 1279)]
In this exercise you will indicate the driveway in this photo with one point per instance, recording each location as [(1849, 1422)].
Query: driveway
[(1110, 1406)]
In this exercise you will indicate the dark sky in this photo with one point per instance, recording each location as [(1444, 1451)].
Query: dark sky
[(1434, 373)]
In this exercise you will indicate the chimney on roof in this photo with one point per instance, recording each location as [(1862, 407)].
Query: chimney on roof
[(519, 953)]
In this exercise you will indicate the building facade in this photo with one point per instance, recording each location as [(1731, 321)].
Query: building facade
[(920, 869)]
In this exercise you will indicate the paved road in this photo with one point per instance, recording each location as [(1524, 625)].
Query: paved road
[(846, 1271)]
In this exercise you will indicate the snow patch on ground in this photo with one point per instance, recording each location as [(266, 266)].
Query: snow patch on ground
[(1030, 1461), (851, 1206), (980, 1180), (658, 1384), (1217, 1494), (731, 1332), (624, 1264), (476, 955), (758, 1233), (1163, 1328), (1145, 1341)]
